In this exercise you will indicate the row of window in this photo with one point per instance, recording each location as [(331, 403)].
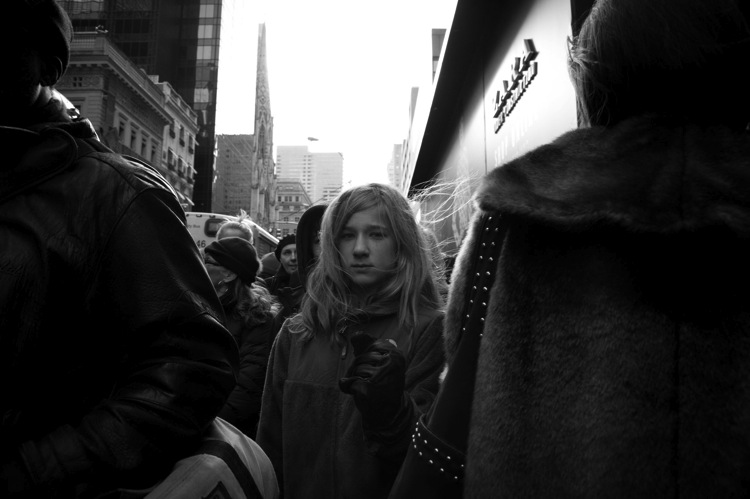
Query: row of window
[(132, 136), (182, 134)]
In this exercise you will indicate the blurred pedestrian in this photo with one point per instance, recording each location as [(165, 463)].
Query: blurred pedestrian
[(233, 265), (598, 326), (241, 228), (308, 240), (237, 228), (285, 284), (113, 355), (349, 374), (269, 265)]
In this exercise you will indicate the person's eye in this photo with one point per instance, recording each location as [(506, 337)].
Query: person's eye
[(346, 236), (377, 235)]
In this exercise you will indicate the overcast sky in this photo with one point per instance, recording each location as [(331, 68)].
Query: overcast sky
[(339, 70)]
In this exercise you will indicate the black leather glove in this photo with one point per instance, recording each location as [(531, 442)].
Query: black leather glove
[(376, 381)]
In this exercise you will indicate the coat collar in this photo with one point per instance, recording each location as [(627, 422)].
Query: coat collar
[(646, 173), (34, 155)]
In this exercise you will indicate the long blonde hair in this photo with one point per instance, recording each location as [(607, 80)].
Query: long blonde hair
[(331, 303)]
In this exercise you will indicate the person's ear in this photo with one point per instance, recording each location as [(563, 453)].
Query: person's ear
[(52, 70), (229, 276)]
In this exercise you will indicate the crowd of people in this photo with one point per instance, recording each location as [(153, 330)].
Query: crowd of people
[(592, 338)]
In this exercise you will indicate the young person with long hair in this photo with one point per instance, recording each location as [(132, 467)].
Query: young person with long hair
[(233, 266), (350, 374)]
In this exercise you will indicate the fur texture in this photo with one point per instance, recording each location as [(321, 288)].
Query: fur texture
[(615, 357)]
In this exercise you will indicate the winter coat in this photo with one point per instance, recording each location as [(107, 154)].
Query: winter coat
[(615, 352), (243, 406), (113, 356), (313, 432)]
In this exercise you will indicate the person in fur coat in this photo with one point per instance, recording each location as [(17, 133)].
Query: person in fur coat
[(607, 349)]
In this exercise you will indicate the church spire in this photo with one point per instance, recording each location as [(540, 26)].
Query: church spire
[(263, 186)]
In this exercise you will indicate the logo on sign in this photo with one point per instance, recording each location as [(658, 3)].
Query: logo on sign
[(523, 71)]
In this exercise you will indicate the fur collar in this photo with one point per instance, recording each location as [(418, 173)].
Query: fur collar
[(646, 173)]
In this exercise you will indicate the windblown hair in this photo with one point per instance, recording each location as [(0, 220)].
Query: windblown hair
[(331, 302), (685, 59), (438, 261), (242, 225), (252, 304)]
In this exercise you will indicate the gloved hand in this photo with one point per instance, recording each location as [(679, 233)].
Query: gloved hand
[(376, 381)]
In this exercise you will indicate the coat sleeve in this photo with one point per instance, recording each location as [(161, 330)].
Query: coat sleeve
[(171, 360), (270, 436), (426, 360), (243, 406)]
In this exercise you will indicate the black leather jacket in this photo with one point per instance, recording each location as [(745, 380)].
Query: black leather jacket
[(113, 353)]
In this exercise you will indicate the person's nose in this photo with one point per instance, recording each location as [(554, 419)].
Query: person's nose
[(294, 255), (360, 246)]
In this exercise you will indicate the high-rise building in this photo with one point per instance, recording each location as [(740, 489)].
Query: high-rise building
[(321, 173), (395, 166), (176, 40), (232, 188)]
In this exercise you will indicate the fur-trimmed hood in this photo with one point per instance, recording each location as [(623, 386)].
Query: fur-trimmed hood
[(615, 345), (647, 174)]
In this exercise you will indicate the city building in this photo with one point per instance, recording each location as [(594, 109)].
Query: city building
[(501, 88), (178, 152), (244, 165), (321, 173), (291, 203), (177, 40), (232, 186), (395, 166), (132, 113)]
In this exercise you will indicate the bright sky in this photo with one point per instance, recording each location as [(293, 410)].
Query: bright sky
[(339, 70)]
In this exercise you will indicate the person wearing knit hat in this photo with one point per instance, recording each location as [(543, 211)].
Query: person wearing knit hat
[(40, 33), (286, 275), (236, 255), (283, 243), (232, 265), (285, 284)]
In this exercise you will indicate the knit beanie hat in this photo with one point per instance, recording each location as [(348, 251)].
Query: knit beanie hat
[(285, 241), (42, 24), (237, 255)]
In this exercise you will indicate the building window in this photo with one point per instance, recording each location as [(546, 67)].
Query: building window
[(206, 31), (121, 129), (133, 137), (286, 219), (201, 95), (207, 11), (205, 52)]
